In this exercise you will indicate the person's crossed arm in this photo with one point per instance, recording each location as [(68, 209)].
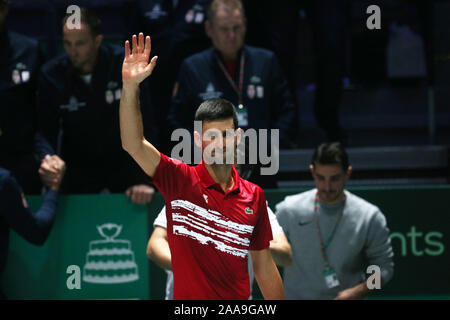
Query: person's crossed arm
[(135, 69)]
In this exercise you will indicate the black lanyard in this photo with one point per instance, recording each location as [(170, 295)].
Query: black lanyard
[(237, 88)]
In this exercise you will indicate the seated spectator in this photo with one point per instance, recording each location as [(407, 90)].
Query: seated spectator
[(20, 60), (14, 212), (334, 234), (78, 98), (249, 77)]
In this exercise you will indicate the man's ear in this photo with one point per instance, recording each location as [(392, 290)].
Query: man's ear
[(349, 172), (208, 28), (311, 169), (98, 40), (197, 139), (245, 26)]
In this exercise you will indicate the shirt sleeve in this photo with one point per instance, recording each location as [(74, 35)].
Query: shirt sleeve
[(34, 228), (170, 176), (262, 233), (274, 225), (282, 217), (161, 220), (41, 146), (378, 247)]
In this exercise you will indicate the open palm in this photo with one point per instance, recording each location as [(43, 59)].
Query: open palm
[(135, 65)]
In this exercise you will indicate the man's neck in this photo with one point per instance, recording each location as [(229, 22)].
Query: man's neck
[(229, 57), (221, 173), (232, 57), (335, 201), (88, 68)]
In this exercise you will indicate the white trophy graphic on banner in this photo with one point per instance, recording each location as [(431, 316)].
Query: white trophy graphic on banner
[(110, 261)]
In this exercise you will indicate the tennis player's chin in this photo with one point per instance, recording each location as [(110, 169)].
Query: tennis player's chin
[(214, 162)]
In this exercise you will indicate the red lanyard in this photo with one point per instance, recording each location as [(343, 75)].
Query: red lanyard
[(238, 89), (324, 246)]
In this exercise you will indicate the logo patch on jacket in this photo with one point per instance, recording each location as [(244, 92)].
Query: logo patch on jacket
[(73, 104), (20, 74), (210, 92)]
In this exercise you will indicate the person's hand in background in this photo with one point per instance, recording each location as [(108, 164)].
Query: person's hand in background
[(52, 171), (140, 194)]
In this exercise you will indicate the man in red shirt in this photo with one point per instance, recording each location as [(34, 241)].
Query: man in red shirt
[(214, 218)]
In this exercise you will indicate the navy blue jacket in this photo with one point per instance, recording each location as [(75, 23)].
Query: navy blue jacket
[(176, 32), (265, 91), (88, 116), (15, 215), (19, 66)]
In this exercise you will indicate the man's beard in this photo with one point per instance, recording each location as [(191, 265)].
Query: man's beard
[(330, 196)]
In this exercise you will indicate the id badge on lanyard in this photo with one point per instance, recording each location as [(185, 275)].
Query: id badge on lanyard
[(331, 278), (242, 115), (242, 112)]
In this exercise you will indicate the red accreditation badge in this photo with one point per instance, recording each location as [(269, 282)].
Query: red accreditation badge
[(251, 91), (16, 76), (189, 16)]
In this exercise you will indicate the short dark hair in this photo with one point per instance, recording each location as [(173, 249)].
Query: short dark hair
[(331, 153), (214, 5), (89, 18), (216, 109)]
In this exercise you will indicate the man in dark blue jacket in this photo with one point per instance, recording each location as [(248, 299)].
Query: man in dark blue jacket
[(14, 212), (19, 145), (249, 77), (78, 108)]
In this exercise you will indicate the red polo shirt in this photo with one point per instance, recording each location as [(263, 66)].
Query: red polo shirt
[(210, 232)]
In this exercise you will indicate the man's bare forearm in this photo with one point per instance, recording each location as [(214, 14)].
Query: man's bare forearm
[(267, 275), (281, 250), (270, 283), (131, 127), (281, 256), (158, 250)]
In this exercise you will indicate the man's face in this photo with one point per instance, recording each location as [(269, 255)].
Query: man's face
[(219, 141), (330, 181), (227, 31), (81, 46)]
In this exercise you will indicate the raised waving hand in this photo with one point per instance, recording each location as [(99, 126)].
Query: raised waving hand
[(136, 66), (135, 69)]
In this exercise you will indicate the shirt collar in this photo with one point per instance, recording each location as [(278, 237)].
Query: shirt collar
[(208, 182), (219, 55)]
